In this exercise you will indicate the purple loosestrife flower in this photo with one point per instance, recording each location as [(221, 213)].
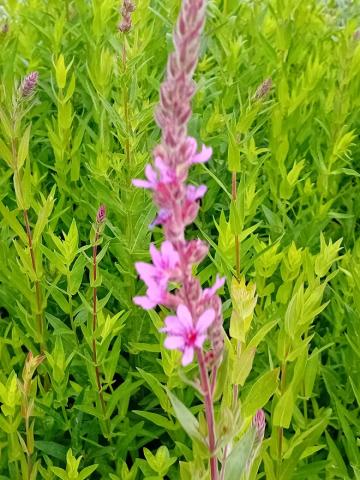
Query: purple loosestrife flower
[(199, 313), (165, 266), (186, 335), (28, 85)]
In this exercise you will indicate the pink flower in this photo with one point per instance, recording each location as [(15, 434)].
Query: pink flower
[(195, 193), (164, 174), (184, 334), (164, 267), (210, 292), (151, 182), (155, 295)]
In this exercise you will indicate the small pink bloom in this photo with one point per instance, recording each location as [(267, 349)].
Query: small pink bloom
[(210, 292), (155, 295), (195, 193), (195, 251), (184, 334), (163, 269), (162, 217), (203, 156), (151, 181)]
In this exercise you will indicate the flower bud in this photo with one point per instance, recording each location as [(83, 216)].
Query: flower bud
[(101, 215), (29, 84), (126, 11), (263, 89), (259, 423)]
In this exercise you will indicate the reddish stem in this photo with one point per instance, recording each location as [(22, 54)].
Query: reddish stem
[(209, 413), (207, 387)]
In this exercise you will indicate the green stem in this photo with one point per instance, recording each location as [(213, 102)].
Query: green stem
[(94, 325), (280, 429), (126, 110), (237, 242)]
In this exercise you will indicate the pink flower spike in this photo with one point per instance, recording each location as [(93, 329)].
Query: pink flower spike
[(203, 156), (184, 334)]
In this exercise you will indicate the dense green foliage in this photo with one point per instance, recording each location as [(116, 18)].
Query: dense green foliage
[(296, 214)]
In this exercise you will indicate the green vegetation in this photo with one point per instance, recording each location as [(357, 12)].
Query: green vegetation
[(281, 212)]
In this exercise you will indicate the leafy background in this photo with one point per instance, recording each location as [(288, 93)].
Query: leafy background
[(296, 213)]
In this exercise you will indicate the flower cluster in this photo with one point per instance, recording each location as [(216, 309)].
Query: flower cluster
[(169, 278)]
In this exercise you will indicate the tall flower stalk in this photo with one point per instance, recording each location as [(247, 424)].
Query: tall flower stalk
[(99, 225), (19, 152), (124, 26), (198, 311)]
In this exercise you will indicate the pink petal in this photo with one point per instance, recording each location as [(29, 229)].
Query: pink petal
[(205, 320), (169, 253), (173, 326), (150, 174), (166, 173), (155, 292), (188, 356), (145, 270), (184, 316), (191, 145), (144, 302), (137, 182), (210, 292), (174, 342), (203, 156), (195, 193), (161, 218), (155, 255), (200, 341)]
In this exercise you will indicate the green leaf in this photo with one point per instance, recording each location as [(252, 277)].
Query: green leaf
[(186, 418), (260, 392), (284, 409), (23, 150), (52, 449), (43, 215), (157, 419), (87, 471), (237, 460)]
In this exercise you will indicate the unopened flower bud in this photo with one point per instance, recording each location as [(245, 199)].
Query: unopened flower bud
[(101, 215), (259, 423), (126, 10), (28, 85), (263, 89)]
